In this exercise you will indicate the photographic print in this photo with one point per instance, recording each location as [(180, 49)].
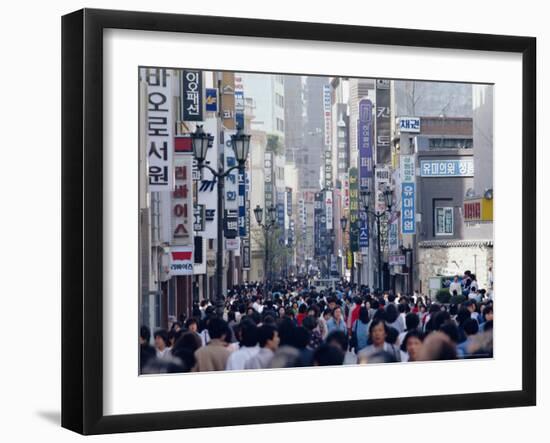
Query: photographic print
[(311, 203), (295, 221)]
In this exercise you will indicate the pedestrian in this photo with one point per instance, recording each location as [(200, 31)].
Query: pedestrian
[(378, 332), (213, 356), (268, 339), (360, 330), (162, 345), (340, 340), (455, 288), (337, 323), (412, 342), (146, 351), (247, 335)]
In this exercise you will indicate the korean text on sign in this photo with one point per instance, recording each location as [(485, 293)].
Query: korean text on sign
[(159, 129)]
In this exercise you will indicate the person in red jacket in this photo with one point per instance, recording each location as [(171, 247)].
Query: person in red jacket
[(302, 313), (354, 313)]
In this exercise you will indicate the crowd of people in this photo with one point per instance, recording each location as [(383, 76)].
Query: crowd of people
[(293, 324)]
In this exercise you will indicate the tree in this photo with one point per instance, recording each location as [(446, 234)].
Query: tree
[(278, 253), (274, 144)]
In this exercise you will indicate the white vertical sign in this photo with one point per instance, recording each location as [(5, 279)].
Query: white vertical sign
[(231, 184), (381, 180), (160, 129), (328, 209), (182, 200), (327, 112), (208, 191)]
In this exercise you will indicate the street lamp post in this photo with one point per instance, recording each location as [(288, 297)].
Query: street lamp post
[(240, 143), (365, 194), (266, 227)]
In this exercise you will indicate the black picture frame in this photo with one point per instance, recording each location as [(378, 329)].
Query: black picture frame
[(82, 218)]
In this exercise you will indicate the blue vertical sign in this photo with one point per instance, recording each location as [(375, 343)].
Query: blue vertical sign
[(364, 145), (364, 142), (407, 208), (211, 100), (363, 229), (239, 109)]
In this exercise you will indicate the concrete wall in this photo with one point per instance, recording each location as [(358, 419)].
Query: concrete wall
[(448, 261)]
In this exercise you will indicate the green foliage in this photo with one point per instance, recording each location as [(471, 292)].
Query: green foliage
[(274, 144), (278, 254), (443, 296)]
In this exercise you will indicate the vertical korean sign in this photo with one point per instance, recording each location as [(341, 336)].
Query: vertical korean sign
[(182, 200), (328, 169), (231, 189), (317, 218), (328, 209), (268, 181), (246, 239), (381, 181), (192, 100), (407, 166), (353, 209), (239, 101), (383, 151), (327, 113), (207, 189), (364, 142), (228, 99), (160, 138), (242, 203)]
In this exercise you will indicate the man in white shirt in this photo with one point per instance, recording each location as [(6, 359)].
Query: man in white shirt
[(248, 339), (455, 286), (268, 338)]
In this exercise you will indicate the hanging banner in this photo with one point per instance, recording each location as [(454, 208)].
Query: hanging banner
[(381, 181), (383, 126), (199, 218), (191, 96), (345, 190), (268, 181), (245, 241), (318, 218), (182, 200), (328, 170), (407, 167), (228, 99), (207, 185), (328, 210), (327, 114), (160, 128), (231, 191), (354, 209), (231, 223), (288, 201), (407, 208), (393, 238), (363, 230), (211, 100), (242, 203), (245, 254), (364, 142)]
